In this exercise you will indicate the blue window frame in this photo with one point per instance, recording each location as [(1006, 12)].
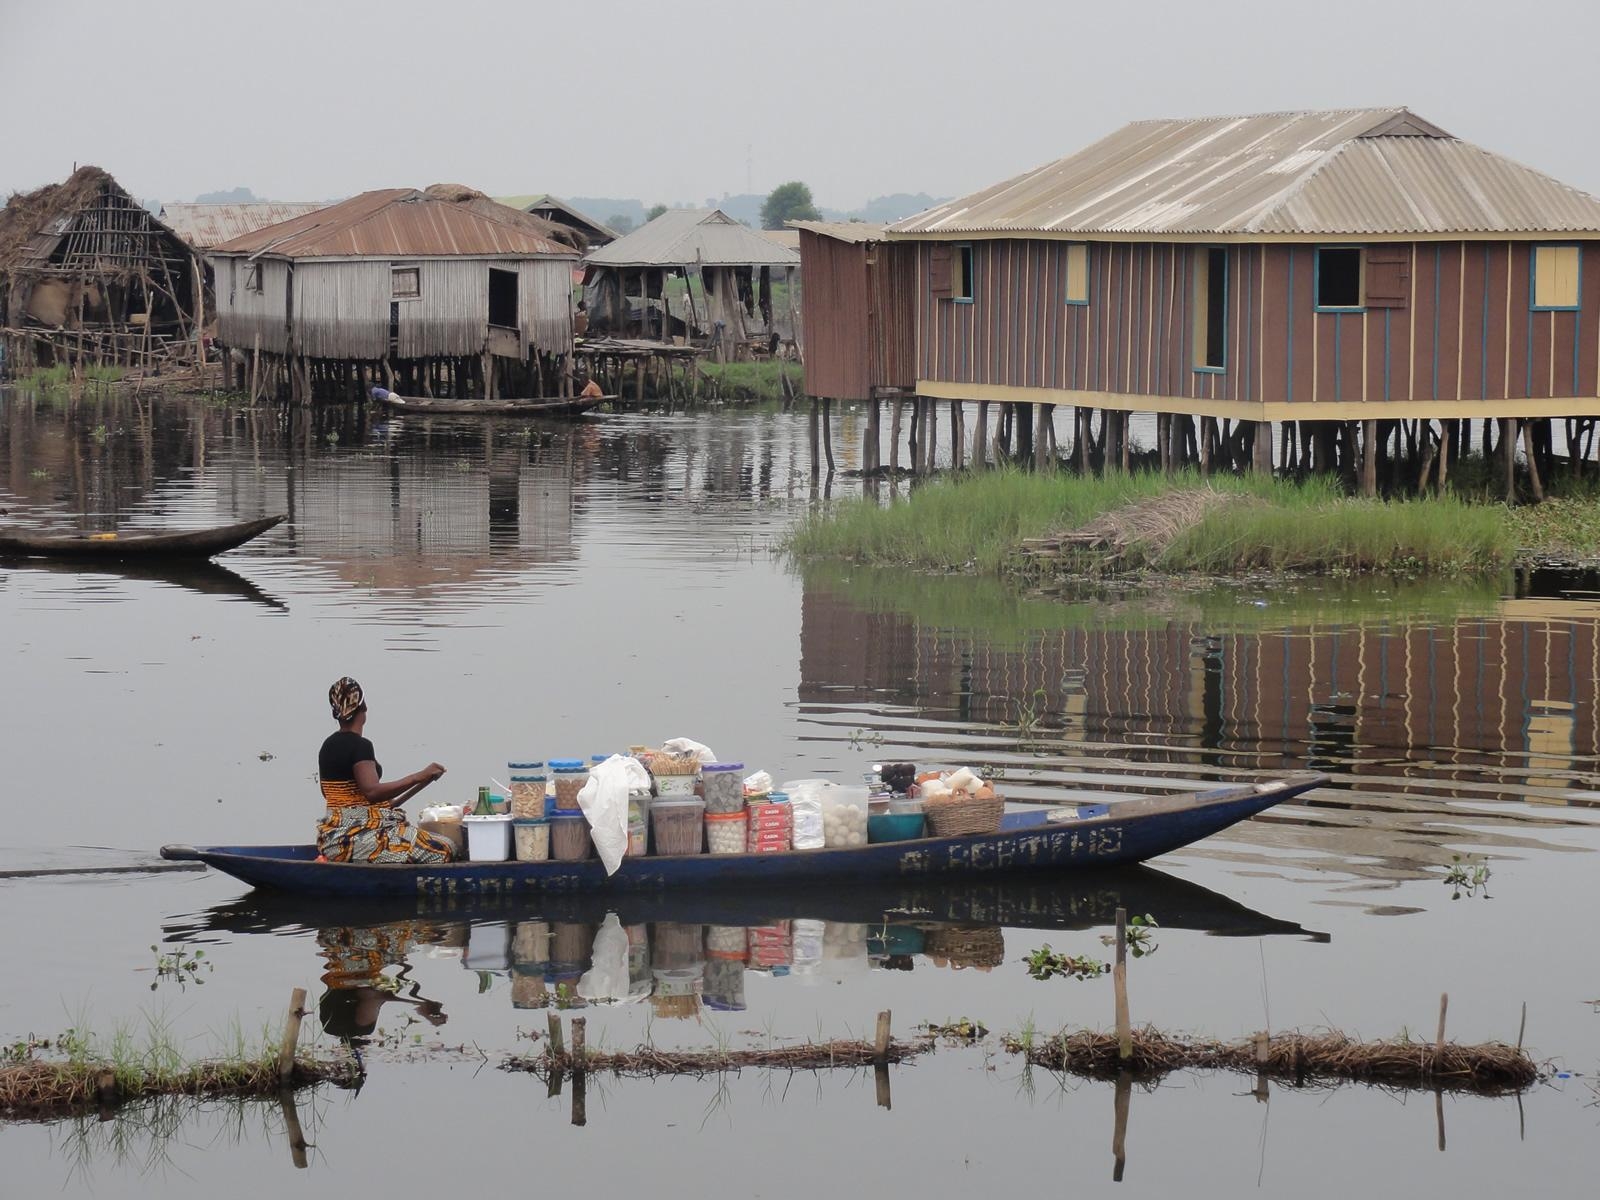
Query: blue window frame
[(1340, 279), (1555, 277)]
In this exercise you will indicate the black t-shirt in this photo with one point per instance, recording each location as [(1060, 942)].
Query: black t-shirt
[(336, 761)]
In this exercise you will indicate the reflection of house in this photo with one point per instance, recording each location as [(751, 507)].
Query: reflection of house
[(626, 283), (88, 274), (1522, 685), (429, 292), (584, 232)]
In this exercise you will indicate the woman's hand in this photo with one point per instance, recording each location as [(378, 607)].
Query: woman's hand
[(430, 772)]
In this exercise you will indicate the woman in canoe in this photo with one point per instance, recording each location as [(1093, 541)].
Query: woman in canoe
[(364, 823)]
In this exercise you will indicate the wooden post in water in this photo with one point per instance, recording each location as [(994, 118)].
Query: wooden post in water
[(815, 438), (1532, 453), (1369, 459), (291, 1034), (291, 1127), (1119, 980), (914, 440), (1119, 1128), (930, 450), (880, 1041), (580, 1107), (1444, 1007), (894, 435), (827, 432)]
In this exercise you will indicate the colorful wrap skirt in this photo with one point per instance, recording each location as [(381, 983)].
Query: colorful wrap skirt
[(354, 831)]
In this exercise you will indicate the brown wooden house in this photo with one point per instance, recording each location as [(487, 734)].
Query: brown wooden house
[(1357, 268), (860, 338)]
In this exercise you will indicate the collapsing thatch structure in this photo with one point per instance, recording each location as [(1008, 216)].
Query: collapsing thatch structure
[(87, 274)]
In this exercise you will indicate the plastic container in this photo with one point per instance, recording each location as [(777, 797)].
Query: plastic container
[(569, 775), (726, 833), (488, 948), (638, 829), (572, 943), (531, 838), (723, 784), (499, 806), (569, 837), (905, 804), (677, 787), (488, 838), (844, 816), (727, 942), (678, 826), (724, 985), (530, 945), (895, 827), (674, 944), (527, 789)]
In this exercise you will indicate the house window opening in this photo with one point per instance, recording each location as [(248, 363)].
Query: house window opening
[(1077, 273), (406, 283), (252, 278), (503, 298), (961, 271), (1339, 277), (1211, 308), (1555, 278)]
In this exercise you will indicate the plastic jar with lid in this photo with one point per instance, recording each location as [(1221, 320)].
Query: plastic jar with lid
[(725, 832), (678, 826), (527, 789), (569, 837), (531, 838), (723, 784), (569, 776)]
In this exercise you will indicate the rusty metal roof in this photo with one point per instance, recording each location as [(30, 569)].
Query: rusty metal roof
[(1317, 174), (854, 232), (399, 223), (206, 225), (693, 237)]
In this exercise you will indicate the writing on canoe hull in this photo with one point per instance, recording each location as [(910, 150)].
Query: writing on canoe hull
[(443, 886), (1037, 849)]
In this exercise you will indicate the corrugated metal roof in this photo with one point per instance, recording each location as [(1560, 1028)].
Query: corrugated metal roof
[(853, 232), (206, 225), (783, 237), (1345, 172), (555, 208), (690, 237), (398, 223)]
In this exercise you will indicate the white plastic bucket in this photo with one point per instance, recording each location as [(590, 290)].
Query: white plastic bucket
[(488, 838)]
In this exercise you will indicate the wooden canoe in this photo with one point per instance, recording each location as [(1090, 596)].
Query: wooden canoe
[(1132, 831), (188, 543), (556, 407)]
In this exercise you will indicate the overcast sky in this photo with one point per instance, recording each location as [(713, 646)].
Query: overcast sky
[(684, 99)]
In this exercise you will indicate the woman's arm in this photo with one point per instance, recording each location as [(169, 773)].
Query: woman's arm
[(393, 793)]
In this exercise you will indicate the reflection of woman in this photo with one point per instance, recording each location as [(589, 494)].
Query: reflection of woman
[(356, 958), (364, 823)]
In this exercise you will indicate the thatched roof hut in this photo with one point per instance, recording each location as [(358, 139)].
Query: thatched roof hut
[(87, 270)]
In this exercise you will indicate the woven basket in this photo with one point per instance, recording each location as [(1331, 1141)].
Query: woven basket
[(958, 818), (981, 946)]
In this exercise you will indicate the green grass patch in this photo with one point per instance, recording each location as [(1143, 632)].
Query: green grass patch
[(977, 523), (60, 376), (748, 380)]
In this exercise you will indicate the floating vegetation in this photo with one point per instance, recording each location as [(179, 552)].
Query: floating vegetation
[(1045, 963), (1467, 878), (181, 966), (1491, 1068), (1139, 936), (964, 1029)]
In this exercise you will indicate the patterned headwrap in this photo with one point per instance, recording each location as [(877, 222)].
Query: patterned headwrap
[(346, 699)]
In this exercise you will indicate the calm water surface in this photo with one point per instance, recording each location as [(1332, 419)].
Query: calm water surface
[(507, 589)]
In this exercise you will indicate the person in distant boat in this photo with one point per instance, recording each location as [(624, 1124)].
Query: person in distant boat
[(591, 389), (364, 823)]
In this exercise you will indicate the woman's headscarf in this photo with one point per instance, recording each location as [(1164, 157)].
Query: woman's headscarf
[(346, 700)]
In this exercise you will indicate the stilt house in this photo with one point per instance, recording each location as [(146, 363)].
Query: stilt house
[(860, 332), (577, 228), (87, 274), (626, 292), (1343, 269), (437, 292)]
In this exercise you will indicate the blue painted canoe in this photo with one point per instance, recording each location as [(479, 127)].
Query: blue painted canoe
[(1132, 831)]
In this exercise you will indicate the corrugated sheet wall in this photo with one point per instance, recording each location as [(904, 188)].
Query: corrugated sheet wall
[(544, 299), (242, 314), (838, 358), (451, 317), (1467, 332), (341, 309)]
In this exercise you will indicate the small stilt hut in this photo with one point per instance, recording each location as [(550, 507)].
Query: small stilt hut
[(627, 293), (89, 276), (439, 292)]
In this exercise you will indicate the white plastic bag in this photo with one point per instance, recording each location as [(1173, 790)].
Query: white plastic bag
[(756, 784), (606, 981), (688, 746), (604, 800)]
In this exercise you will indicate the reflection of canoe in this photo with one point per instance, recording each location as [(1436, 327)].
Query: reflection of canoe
[(1055, 900), (195, 575), (189, 543), (557, 407), (1134, 830)]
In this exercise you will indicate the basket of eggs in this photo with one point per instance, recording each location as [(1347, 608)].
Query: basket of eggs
[(959, 803)]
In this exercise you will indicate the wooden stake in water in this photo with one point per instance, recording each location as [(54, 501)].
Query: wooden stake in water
[(1119, 979), (880, 1043), (1119, 1128), (291, 1034), (579, 1036), (1444, 1006)]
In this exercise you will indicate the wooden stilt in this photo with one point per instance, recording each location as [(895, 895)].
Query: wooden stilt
[(980, 437), (1531, 450), (1369, 459), (894, 434)]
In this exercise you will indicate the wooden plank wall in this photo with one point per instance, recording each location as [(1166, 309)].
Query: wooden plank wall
[(1467, 334)]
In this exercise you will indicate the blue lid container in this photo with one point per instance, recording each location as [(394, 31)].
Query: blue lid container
[(720, 766), (535, 765), (567, 764)]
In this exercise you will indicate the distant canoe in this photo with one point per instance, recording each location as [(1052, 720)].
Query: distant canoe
[(558, 407), (189, 543)]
